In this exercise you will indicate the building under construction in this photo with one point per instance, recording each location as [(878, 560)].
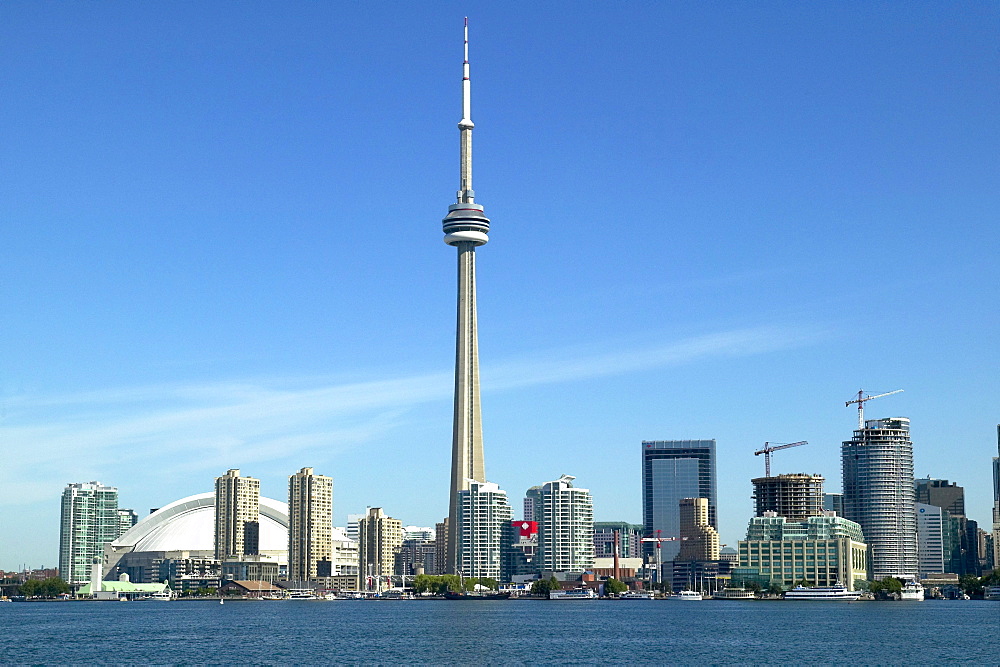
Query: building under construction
[(795, 497)]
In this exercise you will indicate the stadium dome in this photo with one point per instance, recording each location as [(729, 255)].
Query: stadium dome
[(188, 524)]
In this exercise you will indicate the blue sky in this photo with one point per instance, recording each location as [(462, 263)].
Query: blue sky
[(221, 244)]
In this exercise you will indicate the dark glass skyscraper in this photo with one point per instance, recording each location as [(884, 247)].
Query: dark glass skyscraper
[(672, 470)]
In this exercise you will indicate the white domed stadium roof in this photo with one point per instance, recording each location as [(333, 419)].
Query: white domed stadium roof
[(188, 524)]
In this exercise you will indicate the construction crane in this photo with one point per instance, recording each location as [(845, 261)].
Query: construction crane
[(860, 400), (768, 448), (658, 539)]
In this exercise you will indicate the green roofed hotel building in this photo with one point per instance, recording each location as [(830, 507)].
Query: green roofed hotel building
[(823, 550)]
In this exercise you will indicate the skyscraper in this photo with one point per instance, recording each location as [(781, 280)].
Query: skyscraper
[(565, 527), (484, 525), (310, 526), (878, 494), (795, 497), (672, 470), (465, 227), (88, 521), (379, 539), (237, 515)]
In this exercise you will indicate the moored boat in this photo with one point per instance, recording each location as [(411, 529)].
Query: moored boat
[(912, 590), (476, 596), (636, 595), (991, 593), (822, 593), (574, 594), (733, 594), (688, 596)]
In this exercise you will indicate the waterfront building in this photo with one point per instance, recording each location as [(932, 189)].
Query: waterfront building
[(795, 497), (441, 546), (484, 515), (310, 527), (996, 503), (961, 537), (465, 228), (629, 535), (931, 522), (379, 539), (834, 502), (699, 541), (345, 561), (672, 470), (416, 556), (126, 519), (237, 515), (565, 527), (823, 550), (88, 522), (877, 465)]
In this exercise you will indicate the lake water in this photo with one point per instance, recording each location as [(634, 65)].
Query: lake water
[(514, 631)]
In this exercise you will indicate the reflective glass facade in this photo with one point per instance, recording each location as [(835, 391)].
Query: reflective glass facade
[(673, 470)]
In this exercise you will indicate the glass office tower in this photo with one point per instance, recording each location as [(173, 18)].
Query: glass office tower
[(673, 470)]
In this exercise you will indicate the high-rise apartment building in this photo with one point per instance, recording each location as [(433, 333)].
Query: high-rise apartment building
[(88, 521), (699, 541), (237, 515), (673, 470), (485, 515), (310, 526), (878, 494), (795, 497), (126, 519), (379, 539), (565, 527)]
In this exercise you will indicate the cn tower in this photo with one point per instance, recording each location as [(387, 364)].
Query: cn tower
[(465, 227)]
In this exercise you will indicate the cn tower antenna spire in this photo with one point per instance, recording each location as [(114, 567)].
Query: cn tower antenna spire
[(465, 194)]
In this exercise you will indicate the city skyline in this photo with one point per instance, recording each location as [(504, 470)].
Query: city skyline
[(192, 283)]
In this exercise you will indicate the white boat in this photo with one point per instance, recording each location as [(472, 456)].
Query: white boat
[(733, 594), (162, 596), (991, 593), (822, 593), (636, 595), (575, 594), (912, 590), (688, 596)]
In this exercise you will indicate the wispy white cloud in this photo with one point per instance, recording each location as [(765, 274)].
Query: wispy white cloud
[(186, 429)]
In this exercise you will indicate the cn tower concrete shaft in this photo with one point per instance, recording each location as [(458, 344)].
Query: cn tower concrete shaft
[(465, 227)]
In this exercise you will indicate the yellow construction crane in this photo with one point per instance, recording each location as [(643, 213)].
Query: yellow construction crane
[(860, 400), (768, 448)]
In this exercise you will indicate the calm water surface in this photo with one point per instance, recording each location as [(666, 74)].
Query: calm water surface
[(515, 631)]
